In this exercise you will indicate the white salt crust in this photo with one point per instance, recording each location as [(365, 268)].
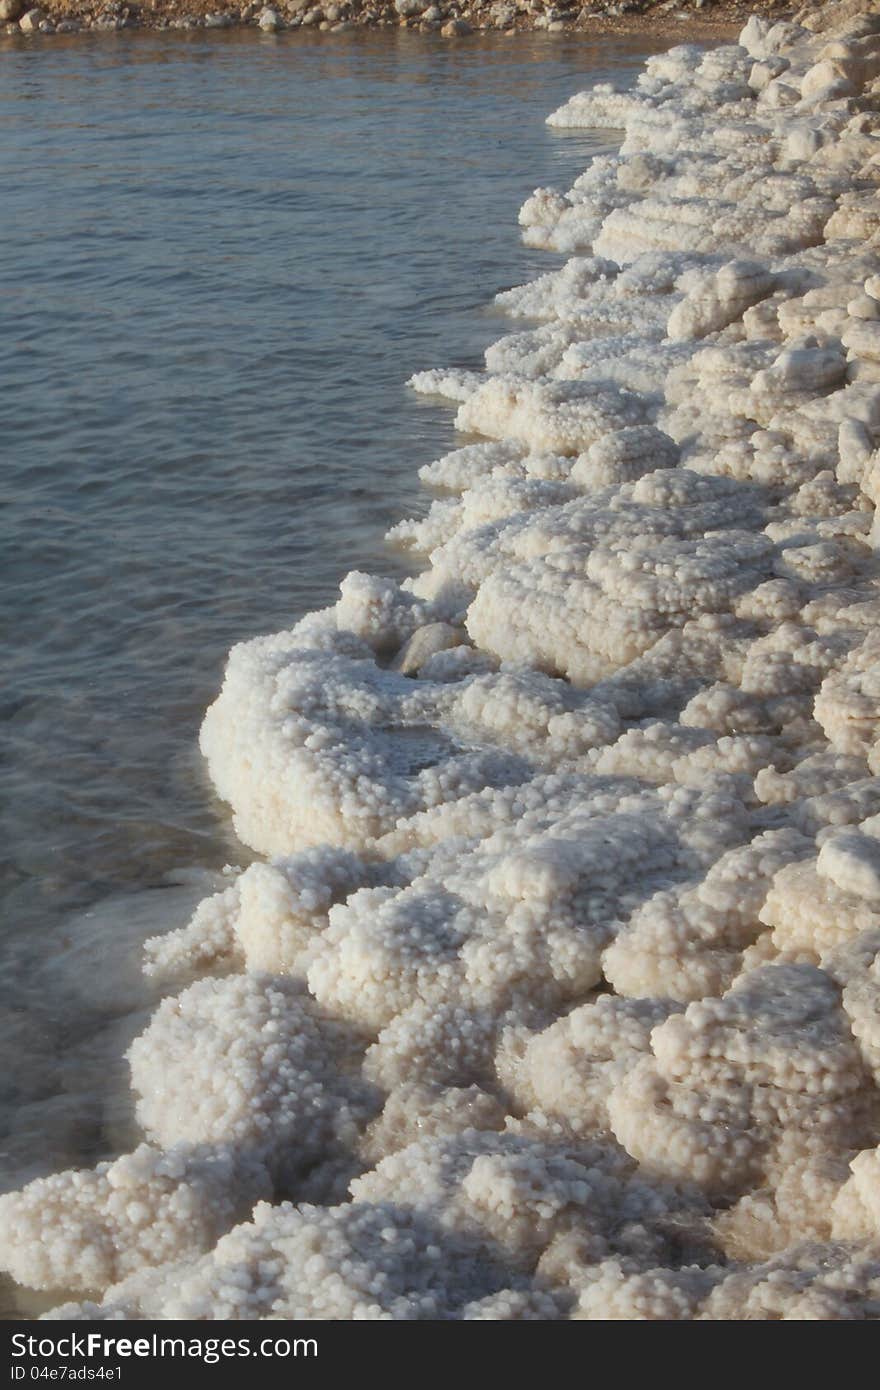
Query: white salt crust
[(556, 990)]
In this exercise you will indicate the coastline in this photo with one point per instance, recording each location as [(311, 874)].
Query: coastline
[(555, 992), (706, 20)]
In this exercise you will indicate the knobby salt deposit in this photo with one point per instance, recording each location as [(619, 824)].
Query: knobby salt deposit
[(558, 992)]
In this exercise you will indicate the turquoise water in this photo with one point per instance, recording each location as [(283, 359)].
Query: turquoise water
[(225, 255)]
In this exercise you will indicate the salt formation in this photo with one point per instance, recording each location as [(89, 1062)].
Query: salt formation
[(557, 992)]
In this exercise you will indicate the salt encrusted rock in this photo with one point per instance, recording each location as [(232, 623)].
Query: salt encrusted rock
[(30, 21), (855, 965), (688, 943), (425, 642), (569, 1069), (248, 1062), (811, 1281), (352, 1262), (269, 19), (87, 1230), (566, 417), (713, 302), (416, 1110), (810, 914), (519, 1193), (852, 862), (775, 1054)]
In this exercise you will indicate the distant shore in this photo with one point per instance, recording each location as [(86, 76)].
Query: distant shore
[(453, 19)]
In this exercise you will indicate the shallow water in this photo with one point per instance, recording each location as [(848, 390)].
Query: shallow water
[(226, 254)]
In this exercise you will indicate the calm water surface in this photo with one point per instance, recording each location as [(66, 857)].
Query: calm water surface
[(225, 255)]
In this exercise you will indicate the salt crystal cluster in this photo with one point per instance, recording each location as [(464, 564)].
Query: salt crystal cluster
[(555, 990)]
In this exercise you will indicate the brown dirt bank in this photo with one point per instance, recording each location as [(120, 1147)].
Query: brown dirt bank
[(455, 19)]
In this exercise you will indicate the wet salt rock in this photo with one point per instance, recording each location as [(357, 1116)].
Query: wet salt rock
[(852, 862), (269, 20), (425, 642), (562, 417), (30, 21), (455, 384), (455, 28), (684, 814)]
